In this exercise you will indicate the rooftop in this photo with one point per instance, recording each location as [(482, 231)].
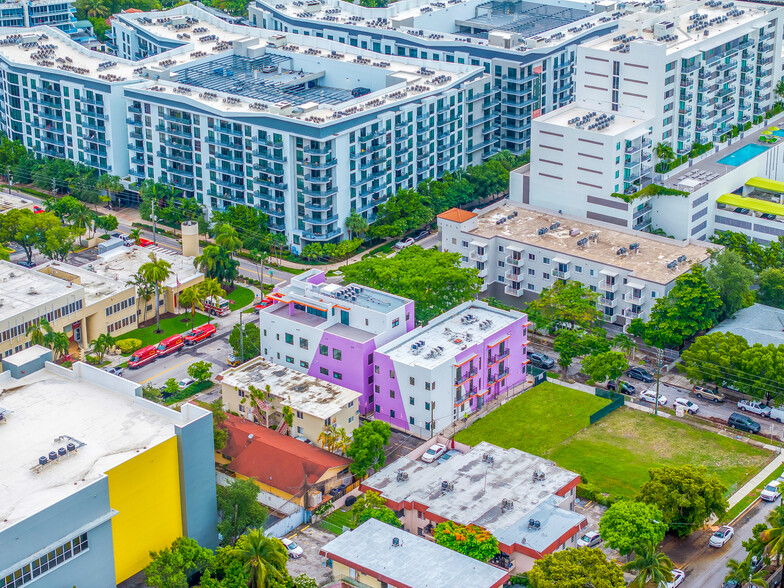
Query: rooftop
[(509, 492), (300, 391), (10, 201), (653, 253), (413, 561), (122, 263), (758, 324), (528, 25), (55, 406), (96, 287), (457, 215), (592, 121), (278, 460), (23, 289), (444, 337), (720, 17)]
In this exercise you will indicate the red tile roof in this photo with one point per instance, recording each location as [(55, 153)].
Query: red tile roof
[(457, 215), (274, 459)]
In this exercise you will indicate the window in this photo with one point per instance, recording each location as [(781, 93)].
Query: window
[(392, 374), (578, 269), (532, 257), (411, 422), (411, 400), (304, 364), (427, 406), (500, 248), (324, 371), (299, 414), (303, 343), (337, 354), (391, 413), (40, 565), (391, 393), (324, 350), (289, 338), (531, 287), (378, 408), (337, 375), (289, 359), (395, 323), (351, 419), (427, 385), (465, 243), (531, 272), (411, 380), (300, 430), (546, 260), (375, 368)]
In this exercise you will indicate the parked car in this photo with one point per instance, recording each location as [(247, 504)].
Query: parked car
[(708, 394), (771, 492), (678, 576), (650, 396), (294, 550), (25, 263), (768, 216), (541, 360), (185, 382), (776, 414), (434, 452), (421, 235), (754, 406), (743, 423), (265, 302), (641, 374), (691, 407), (589, 539), (622, 387), (720, 537), (403, 243), (38, 210), (117, 371)]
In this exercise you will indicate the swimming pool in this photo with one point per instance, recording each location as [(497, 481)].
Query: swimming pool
[(779, 133), (743, 154)]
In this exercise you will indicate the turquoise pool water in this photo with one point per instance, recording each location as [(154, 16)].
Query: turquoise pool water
[(743, 154), (779, 133)]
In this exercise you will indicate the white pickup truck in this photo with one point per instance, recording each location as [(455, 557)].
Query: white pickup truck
[(754, 406)]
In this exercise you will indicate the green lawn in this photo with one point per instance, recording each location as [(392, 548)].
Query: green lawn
[(535, 421), (335, 521), (194, 388), (616, 453), (240, 297), (171, 326)]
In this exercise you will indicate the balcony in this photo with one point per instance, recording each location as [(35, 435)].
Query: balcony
[(321, 236), (315, 165), (228, 130), (230, 144), (320, 220), (605, 286), (136, 122), (609, 302), (180, 158), (275, 185), (226, 170), (134, 147), (511, 291), (476, 256), (318, 193), (513, 276), (494, 378), (514, 261), (266, 141), (562, 274), (493, 358), (631, 298), (630, 315), (182, 120)]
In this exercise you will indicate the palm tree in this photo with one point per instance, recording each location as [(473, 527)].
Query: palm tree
[(779, 91), (216, 262), (109, 184), (624, 344), (60, 344), (190, 298), (264, 559), (774, 537), (210, 288), (260, 257), (155, 272), (356, 225), (101, 344), (651, 566), (136, 235), (93, 8), (227, 239), (742, 571), (39, 332), (82, 219), (328, 438), (342, 441), (665, 153)]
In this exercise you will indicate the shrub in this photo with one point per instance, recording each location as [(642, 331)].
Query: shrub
[(128, 345)]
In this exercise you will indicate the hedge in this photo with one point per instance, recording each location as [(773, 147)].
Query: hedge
[(649, 190)]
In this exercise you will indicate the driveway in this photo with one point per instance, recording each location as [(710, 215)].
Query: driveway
[(311, 539)]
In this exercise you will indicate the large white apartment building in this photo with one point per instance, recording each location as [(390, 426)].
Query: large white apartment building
[(30, 13), (519, 251), (676, 72), (305, 129), (527, 47)]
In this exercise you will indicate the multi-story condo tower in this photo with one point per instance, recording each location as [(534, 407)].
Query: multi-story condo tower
[(30, 13), (678, 73), (305, 129), (527, 47)]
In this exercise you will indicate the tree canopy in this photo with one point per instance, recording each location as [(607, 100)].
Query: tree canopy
[(371, 505), (434, 280), (771, 287), (564, 304), (627, 523), (239, 510), (686, 495), (576, 568), (732, 280), (470, 540), (367, 447), (608, 365)]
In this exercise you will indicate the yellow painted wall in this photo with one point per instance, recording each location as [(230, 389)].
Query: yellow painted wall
[(145, 491), (340, 570)]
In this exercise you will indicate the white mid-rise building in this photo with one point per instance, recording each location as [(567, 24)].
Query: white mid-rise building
[(677, 73)]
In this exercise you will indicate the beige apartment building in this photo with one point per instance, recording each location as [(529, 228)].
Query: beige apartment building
[(316, 403)]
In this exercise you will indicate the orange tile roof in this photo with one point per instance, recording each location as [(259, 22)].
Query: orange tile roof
[(279, 461), (457, 215), (132, 10)]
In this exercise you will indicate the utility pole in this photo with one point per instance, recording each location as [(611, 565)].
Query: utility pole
[(659, 358), (54, 188), (242, 341), (432, 420), (154, 240)]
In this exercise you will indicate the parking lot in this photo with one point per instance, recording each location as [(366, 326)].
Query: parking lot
[(311, 539)]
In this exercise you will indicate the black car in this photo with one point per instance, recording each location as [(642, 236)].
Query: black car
[(768, 216), (641, 374), (541, 360), (421, 235), (26, 263), (624, 387)]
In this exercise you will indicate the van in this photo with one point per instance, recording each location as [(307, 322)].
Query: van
[(143, 356), (776, 414), (170, 345), (743, 423)]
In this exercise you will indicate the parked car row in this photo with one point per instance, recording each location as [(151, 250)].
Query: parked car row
[(758, 407), (169, 345)]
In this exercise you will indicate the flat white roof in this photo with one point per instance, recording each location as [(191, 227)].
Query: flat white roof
[(23, 289), (566, 117), (112, 423), (302, 392), (122, 263), (96, 287), (447, 335)]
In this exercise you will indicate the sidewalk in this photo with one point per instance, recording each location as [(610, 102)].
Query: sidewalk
[(763, 475)]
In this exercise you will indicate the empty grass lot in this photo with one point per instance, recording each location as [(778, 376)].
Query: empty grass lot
[(335, 521), (535, 421), (616, 453)]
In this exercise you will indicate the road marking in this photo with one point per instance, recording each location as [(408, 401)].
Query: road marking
[(589, 504), (164, 371)]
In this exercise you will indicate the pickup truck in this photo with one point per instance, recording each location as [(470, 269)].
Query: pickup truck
[(754, 406)]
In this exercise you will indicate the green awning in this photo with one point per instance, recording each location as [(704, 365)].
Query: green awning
[(752, 204), (766, 184)]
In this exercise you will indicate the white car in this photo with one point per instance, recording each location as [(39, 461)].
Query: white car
[(403, 243), (678, 576), (294, 550), (771, 492), (434, 452), (691, 407), (720, 537), (589, 539), (650, 396), (185, 382)]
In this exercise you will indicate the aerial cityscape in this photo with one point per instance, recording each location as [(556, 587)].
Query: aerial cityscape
[(391, 293)]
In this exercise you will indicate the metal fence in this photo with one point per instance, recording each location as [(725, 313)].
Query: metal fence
[(617, 402)]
